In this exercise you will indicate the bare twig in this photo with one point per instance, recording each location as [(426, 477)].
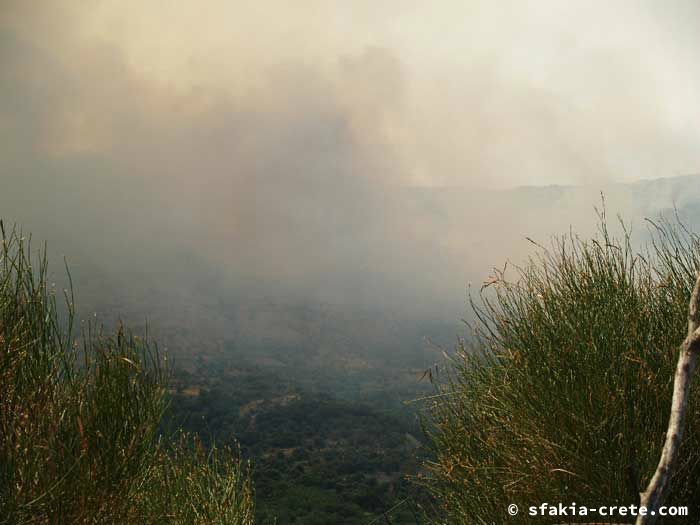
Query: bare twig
[(655, 493)]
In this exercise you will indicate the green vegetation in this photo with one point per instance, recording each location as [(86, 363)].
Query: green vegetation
[(318, 458), (79, 424), (564, 395)]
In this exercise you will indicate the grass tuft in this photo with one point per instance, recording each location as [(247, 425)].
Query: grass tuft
[(563, 395), (79, 423)]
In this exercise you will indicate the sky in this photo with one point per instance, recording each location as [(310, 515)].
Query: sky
[(291, 146)]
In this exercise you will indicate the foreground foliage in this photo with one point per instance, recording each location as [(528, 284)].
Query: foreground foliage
[(565, 394), (79, 425)]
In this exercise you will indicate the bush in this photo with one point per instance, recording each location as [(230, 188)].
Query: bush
[(564, 393), (79, 424)]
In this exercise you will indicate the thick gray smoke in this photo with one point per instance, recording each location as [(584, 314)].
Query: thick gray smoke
[(329, 153)]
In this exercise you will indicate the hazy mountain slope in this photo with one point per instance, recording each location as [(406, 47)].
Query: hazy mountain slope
[(456, 235)]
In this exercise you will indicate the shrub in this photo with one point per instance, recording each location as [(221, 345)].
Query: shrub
[(563, 395), (79, 424)]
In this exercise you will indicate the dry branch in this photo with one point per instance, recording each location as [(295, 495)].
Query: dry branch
[(655, 493)]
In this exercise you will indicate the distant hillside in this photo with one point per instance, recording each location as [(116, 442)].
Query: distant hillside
[(469, 231)]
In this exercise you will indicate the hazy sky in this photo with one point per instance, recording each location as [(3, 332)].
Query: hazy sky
[(274, 142)]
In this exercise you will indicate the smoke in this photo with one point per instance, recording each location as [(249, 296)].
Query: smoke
[(332, 153)]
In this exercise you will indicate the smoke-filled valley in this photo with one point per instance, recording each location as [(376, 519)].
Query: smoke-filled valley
[(297, 203)]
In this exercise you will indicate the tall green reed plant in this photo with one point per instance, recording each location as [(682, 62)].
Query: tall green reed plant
[(563, 393), (79, 424)]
